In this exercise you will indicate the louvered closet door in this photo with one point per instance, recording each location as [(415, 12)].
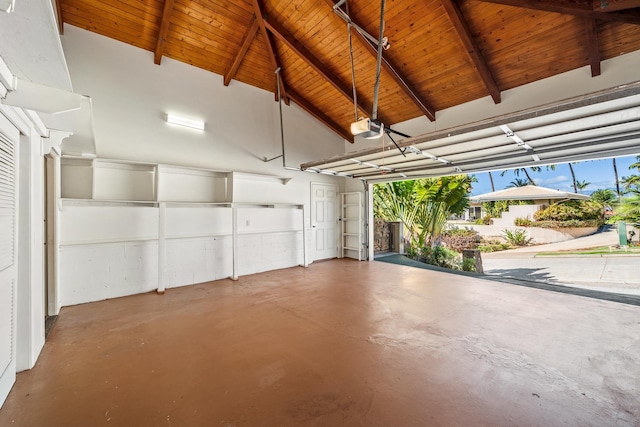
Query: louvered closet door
[(8, 242)]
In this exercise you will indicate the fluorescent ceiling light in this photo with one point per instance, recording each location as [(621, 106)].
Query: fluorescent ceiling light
[(184, 121), (365, 128), (7, 5)]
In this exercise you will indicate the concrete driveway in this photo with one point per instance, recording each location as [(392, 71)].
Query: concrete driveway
[(611, 273)]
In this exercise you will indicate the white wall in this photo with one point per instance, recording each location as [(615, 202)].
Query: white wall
[(131, 95), (30, 252), (110, 250)]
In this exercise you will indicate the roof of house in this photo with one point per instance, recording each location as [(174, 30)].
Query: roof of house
[(528, 192)]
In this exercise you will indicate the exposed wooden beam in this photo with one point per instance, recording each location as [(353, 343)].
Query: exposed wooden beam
[(319, 115), (613, 5), (59, 17), (470, 44), (391, 69), (164, 29), (314, 63), (583, 10), (246, 43), (257, 9), (591, 27)]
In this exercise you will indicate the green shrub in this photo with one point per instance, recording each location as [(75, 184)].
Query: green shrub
[(485, 220), (438, 255), (522, 222), (572, 210), (459, 239), (468, 264), (572, 223), (493, 246), (517, 237)]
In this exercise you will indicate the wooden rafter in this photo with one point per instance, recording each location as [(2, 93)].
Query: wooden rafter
[(164, 29), (314, 63), (246, 43), (613, 5), (401, 81), (320, 116), (470, 44), (583, 10), (257, 9), (591, 27), (59, 17)]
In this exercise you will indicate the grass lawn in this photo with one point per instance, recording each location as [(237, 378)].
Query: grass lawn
[(601, 250)]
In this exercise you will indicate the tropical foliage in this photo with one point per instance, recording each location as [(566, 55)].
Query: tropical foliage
[(631, 183), (604, 196), (629, 210), (517, 237), (423, 205), (571, 213)]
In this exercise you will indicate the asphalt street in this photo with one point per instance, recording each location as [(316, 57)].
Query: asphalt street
[(611, 273)]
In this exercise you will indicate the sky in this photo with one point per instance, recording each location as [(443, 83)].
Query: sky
[(598, 172)]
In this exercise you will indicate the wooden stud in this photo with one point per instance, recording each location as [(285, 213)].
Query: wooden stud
[(591, 27), (164, 29), (269, 45), (248, 39), (577, 9), (613, 5), (400, 80), (59, 17), (470, 44), (312, 61)]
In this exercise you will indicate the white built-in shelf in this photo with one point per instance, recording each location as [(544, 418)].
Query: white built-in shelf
[(130, 181), (351, 215)]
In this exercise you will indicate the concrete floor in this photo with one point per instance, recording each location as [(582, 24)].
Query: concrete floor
[(339, 343)]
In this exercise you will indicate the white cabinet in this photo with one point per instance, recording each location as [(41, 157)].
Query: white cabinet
[(351, 218)]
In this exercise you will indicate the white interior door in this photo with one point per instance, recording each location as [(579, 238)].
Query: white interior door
[(324, 223), (8, 243)]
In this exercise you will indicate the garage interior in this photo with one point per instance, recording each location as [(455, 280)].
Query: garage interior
[(204, 276)]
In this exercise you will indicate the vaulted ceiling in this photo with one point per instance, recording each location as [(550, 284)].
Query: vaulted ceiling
[(442, 52)]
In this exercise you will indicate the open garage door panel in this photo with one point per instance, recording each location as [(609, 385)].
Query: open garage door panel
[(603, 124)]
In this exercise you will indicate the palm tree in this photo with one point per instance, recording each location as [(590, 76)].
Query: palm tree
[(518, 182), (615, 173), (395, 201), (493, 187), (632, 182), (573, 177), (605, 197), (441, 198), (581, 185), (630, 210), (424, 205), (516, 172)]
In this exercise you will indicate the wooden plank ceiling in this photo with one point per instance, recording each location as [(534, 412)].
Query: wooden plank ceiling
[(443, 52)]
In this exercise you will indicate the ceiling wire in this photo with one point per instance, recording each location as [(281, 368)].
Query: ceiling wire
[(374, 113), (353, 70)]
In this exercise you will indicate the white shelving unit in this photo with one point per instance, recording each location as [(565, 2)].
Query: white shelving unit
[(351, 219), (134, 225)]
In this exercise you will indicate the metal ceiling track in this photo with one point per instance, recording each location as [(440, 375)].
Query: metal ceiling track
[(603, 124)]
